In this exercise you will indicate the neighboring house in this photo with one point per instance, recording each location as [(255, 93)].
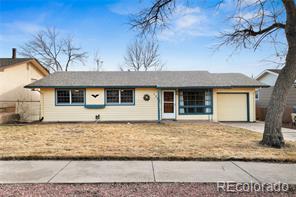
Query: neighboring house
[(147, 96), (15, 73), (263, 96)]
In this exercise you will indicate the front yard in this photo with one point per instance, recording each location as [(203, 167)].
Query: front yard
[(202, 140)]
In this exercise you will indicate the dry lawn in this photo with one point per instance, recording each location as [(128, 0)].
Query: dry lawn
[(204, 141)]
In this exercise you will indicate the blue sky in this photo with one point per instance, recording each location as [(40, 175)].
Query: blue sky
[(102, 25)]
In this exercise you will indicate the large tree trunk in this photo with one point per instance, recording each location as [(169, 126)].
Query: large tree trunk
[(273, 121)]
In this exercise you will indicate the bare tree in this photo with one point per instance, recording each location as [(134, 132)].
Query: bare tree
[(98, 61), (269, 18), (55, 53), (142, 56)]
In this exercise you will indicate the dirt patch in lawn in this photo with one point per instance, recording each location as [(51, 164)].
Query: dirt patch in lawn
[(188, 141)]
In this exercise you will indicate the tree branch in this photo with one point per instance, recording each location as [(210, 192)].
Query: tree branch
[(55, 53), (142, 55), (251, 32)]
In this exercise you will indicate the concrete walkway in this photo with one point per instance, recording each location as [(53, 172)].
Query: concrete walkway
[(144, 171), (289, 134)]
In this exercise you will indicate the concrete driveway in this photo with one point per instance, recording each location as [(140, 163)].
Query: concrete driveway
[(289, 134), (144, 171)]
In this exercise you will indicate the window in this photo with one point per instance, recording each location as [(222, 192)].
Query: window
[(126, 96), (112, 96), (119, 96), (63, 96), (77, 96), (70, 96), (257, 95), (195, 101)]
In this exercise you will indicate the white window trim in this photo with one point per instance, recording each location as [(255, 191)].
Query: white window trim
[(70, 97), (119, 99)]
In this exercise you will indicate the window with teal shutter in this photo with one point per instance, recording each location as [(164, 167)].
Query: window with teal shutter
[(195, 101)]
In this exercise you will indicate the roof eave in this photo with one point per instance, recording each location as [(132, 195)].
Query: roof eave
[(149, 86), (117, 86), (264, 72), (34, 61)]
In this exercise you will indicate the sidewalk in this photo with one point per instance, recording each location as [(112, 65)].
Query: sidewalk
[(289, 134), (144, 171)]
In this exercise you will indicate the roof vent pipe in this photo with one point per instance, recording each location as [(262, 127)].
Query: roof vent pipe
[(13, 53)]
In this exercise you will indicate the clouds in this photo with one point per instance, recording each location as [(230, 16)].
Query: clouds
[(126, 7), (232, 5), (24, 27), (16, 32), (187, 22)]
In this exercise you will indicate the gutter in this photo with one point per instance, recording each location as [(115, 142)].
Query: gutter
[(149, 86), (115, 86), (158, 105)]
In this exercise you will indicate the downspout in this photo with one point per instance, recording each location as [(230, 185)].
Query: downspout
[(176, 107), (41, 107), (158, 105)]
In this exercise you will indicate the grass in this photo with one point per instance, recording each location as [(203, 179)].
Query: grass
[(201, 141)]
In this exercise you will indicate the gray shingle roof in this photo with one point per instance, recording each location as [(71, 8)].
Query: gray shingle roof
[(10, 61), (145, 79)]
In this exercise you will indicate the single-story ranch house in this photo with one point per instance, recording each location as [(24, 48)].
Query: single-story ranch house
[(147, 96)]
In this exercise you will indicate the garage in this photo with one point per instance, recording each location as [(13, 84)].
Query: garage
[(233, 106)]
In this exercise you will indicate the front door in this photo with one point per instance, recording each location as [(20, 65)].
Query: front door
[(168, 104)]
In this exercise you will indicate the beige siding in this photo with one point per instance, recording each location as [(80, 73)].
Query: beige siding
[(12, 91), (194, 117), (141, 111), (99, 100), (14, 78)]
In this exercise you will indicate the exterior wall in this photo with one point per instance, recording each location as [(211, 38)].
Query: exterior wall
[(190, 117), (90, 100), (214, 116), (141, 111), (12, 91), (263, 101), (265, 95), (252, 103), (268, 79), (14, 78)]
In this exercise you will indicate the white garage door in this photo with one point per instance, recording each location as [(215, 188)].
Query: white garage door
[(232, 107)]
